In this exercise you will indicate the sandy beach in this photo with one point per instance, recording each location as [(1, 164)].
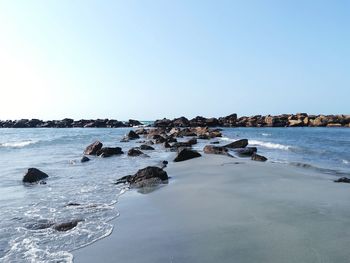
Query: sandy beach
[(221, 209)]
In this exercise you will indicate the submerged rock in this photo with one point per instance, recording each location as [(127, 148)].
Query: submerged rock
[(34, 175), (134, 152), (343, 180), (237, 144), (41, 224), (66, 225), (93, 148), (84, 159), (257, 157), (146, 147), (186, 154)]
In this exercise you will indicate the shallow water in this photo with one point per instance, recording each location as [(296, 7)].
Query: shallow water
[(58, 151)]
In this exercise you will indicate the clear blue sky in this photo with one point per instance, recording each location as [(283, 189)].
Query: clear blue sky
[(153, 59)]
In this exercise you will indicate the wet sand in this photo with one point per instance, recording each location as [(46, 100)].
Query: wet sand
[(220, 209)]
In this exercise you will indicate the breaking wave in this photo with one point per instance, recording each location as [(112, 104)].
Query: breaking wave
[(270, 145), (19, 144)]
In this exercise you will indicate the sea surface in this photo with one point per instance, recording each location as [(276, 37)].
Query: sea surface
[(24, 208)]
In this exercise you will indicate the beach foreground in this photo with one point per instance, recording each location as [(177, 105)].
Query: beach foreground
[(221, 209)]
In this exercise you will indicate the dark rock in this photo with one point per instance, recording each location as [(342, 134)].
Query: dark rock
[(84, 159), (148, 176), (134, 152), (162, 123), (141, 131), (109, 151), (133, 123), (215, 142), (41, 224), (73, 204), (159, 139), (210, 149), (198, 121), (93, 148), (186, 154), (34, 175), (66, 226), (132, 135), (181, 122), (248, 151), (257, 157), (164, 164), (237, 144), (146, 147), (192, 141), (343, 180)]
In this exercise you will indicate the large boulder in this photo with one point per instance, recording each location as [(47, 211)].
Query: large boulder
[(210, 149), (148, 176), (257, 157), (186, 154), (34, 175), (93, 148), (109, 151), (237, 144)]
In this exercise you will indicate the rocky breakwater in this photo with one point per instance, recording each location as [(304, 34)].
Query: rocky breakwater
[(68, 123), (283, 120)]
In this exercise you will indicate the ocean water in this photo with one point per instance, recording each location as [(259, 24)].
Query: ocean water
[(58, 151)]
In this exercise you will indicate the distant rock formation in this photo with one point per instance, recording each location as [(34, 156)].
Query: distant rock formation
[(68, 123), (283, 120)]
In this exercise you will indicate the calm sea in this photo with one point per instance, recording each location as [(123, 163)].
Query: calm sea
[(58, 151)]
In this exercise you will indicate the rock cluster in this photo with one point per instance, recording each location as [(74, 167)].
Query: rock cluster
[(283, 120), (68, 123)]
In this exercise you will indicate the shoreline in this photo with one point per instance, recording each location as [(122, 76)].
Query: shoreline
[(216, 208)]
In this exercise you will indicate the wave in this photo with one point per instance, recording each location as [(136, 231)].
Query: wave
[(270, 145), (266, 134), (345, 161), (19, 144)]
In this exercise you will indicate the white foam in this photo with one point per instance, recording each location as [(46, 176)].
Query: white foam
[(270, 145), (226, 139), (345, 161), (266, 134), (17, 144)]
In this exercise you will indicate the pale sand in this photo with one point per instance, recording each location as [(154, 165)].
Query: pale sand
[(215, 210)]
